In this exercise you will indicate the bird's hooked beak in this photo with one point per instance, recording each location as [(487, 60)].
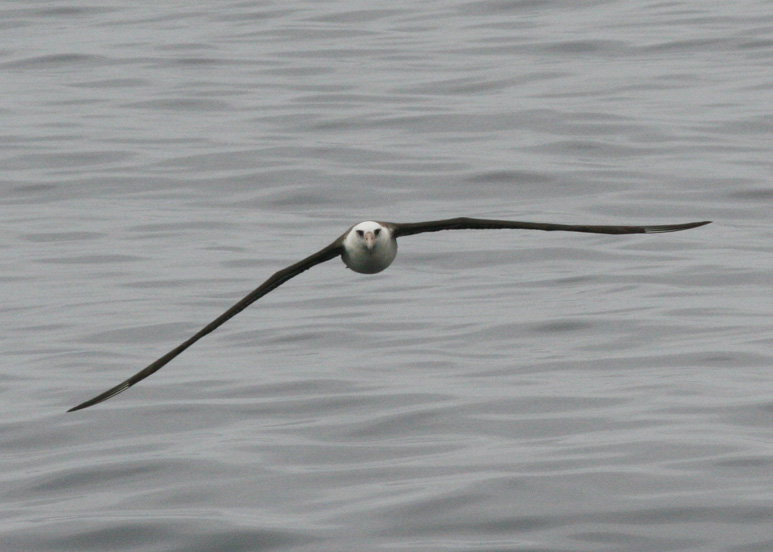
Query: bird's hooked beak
[(370, 240)]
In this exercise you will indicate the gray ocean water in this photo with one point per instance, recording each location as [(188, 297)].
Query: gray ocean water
[(490, 391)]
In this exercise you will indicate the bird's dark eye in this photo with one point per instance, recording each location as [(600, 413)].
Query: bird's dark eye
[(377, 231), (360, 233)]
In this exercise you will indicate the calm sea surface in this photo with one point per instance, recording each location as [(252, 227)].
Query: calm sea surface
[(491, 391)]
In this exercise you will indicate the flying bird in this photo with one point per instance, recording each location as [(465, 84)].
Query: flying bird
[(368, 248)]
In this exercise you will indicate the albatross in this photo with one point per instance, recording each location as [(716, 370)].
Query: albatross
[(368, 248)]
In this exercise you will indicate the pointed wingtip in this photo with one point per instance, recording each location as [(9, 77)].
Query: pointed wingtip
[(674, 227), (83, 405), (104, 396)]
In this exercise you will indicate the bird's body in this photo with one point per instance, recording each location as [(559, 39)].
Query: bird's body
[(368, 248)]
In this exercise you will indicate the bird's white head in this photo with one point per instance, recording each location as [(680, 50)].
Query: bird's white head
[(369, 247)]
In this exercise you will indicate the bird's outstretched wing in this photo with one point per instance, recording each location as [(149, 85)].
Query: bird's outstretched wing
[(330, 252), (337, 248), (464, 223)]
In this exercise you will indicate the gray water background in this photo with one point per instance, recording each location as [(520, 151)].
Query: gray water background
[(491, 390)]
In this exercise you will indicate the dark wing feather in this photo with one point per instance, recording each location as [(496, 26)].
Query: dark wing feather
[(330, 252), (464, 223)]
